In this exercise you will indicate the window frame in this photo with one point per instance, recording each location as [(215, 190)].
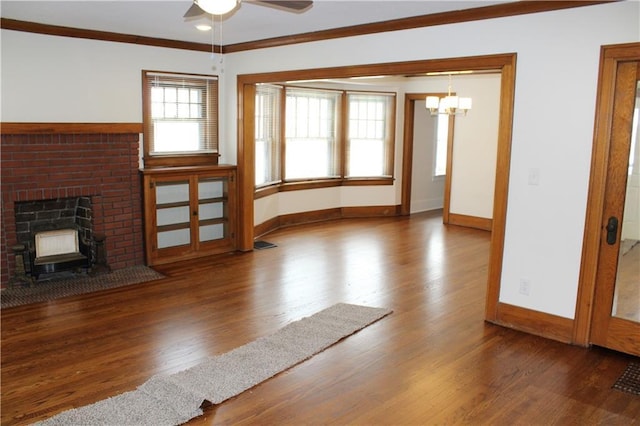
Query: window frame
[(283, 185), (334, 154), (211, 119), (388, 139), (275, 146)]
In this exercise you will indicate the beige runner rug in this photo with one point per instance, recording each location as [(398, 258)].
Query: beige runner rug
[(177, 398)]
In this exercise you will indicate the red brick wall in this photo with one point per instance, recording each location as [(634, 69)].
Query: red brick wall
[(51, 166)]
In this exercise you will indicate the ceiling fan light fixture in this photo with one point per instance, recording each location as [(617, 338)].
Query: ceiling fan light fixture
[(217, 7)]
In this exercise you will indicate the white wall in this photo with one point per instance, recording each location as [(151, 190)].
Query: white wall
[(475, 147), (558, 53)]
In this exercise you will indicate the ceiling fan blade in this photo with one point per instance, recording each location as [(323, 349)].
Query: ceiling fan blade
[(194, 11), (293, 5)]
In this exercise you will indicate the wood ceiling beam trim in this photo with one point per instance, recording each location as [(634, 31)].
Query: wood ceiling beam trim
[(452, 17)]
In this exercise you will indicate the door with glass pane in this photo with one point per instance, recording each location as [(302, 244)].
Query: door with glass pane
[(189, 215), (616, 314)]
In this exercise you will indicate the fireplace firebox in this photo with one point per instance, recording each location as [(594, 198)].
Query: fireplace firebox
[(56, 235)]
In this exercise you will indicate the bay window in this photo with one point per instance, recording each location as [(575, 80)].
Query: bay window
[(330, 136)]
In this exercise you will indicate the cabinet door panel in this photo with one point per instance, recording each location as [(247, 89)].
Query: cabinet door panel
[(189, 212), (211, 211), (211, 188), (173, 215), (174, 238), (172, 192), (212, 232)]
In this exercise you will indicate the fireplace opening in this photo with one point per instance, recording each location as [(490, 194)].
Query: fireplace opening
[(57, 235)]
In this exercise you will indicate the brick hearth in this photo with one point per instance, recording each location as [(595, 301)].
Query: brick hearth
[(51, 166)]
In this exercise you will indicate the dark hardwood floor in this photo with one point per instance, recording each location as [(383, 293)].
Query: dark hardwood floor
[(433, 361)]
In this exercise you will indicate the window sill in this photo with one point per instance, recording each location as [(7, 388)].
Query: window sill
[(181, 160), (265, 191)]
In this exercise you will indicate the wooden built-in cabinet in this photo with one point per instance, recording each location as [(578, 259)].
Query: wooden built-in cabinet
[(189, 212)]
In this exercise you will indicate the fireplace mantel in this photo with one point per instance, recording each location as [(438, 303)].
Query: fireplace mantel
[(24, 128)]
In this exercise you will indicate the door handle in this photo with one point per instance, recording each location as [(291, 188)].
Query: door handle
[(612, 230)]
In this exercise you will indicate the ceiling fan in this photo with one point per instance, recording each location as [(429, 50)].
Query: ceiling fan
[(220, 7)]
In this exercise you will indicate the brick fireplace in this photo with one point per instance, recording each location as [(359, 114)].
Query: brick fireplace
[(52, 167)]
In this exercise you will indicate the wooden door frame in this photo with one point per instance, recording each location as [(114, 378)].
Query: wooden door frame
[(505, 63), (407, 155), (610, 56)]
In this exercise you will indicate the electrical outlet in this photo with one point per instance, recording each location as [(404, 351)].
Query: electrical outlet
[(525, 287)]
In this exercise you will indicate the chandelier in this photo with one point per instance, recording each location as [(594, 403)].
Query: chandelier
[(450, 104), (217, 7)]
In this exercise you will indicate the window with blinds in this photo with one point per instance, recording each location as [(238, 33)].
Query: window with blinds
[(311, 148), (370, 134), (180, 113), (267, 134)]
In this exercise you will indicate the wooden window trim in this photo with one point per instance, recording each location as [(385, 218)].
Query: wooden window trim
[(183, 159), (268, 190)]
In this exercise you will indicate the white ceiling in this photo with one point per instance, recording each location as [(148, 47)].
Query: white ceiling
[(249, 22)]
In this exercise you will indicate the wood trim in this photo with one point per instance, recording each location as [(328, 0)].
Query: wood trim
[(370, 211), (407, 152), (534, 322), (191, 169), (407, 148), (246, 165), (609, 57), (501, 192), (309, 217), (474, 63), (448, 176), (482, 223), (264, 228), (12, 128), (293, 219), (453, 17), (320, 183), (56, 30)]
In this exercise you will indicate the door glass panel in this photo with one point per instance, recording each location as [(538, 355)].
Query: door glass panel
[(626, 302)]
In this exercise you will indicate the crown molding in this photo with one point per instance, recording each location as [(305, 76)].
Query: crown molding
[(452, 17)]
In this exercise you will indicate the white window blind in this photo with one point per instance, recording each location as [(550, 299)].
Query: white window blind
[(267, 134)]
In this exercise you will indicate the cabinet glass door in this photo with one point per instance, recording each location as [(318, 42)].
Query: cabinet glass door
[(173, 214), (212, 209)]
